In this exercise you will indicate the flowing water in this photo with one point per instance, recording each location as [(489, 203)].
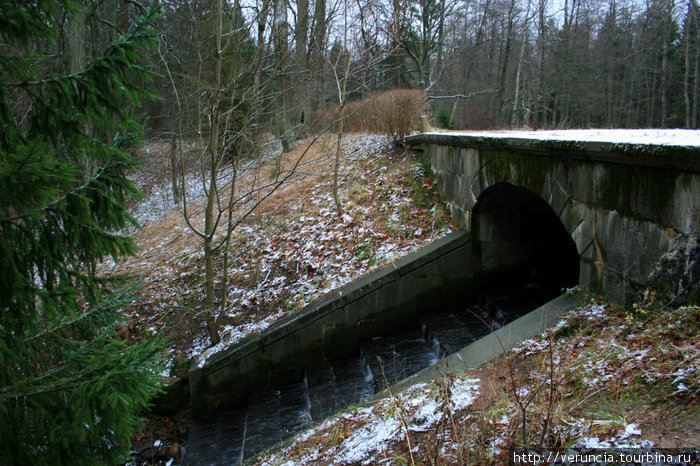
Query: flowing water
[(276, 414)]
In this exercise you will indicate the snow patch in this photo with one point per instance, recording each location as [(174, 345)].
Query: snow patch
[(464, 392), (621, 440), (372, 438), (229, 336), (673, 137)]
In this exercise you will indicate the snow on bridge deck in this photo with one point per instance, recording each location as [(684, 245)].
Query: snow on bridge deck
[(670, 137)]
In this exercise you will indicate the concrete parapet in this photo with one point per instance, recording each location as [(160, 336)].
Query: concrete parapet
[(385, 301), (489, 347)]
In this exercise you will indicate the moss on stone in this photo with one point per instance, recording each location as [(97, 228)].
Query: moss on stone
[(559, 146), (653, 154), (496, 165), (489, 141), (656, 151), (640, 193), (526, 170)]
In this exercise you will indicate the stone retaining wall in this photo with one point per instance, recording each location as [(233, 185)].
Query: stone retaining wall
[(441, 274)]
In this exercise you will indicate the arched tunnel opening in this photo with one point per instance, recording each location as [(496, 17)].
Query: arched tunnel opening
[(518, 237)]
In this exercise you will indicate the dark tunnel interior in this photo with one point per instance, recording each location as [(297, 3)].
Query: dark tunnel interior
[(517, 233)]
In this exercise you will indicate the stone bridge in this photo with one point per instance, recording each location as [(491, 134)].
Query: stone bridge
[(630, 211)]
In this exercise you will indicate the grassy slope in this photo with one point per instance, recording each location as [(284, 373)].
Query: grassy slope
[(292, 250)]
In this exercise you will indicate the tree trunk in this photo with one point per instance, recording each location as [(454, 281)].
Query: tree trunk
[(318, 52), (302, 88), (664, 63), (209, 221), (77, 32), (261, 43), (520, 65), (441, 39), (686, 67), (504, 65), (123, 16), (396, 46), (540, 58), (697, 66), (209, 317), (280, 32), (342, 95), (175, 171)]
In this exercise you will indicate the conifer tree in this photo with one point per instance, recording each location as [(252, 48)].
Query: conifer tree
[(70, 390)]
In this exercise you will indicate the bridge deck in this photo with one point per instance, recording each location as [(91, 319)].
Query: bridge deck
[(670, 137), (674, 149)]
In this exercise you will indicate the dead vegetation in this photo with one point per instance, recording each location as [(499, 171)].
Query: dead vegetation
[(298, 218), (604, 377), (394, 113)]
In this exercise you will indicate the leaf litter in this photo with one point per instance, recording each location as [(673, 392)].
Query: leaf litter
[(290, 251)]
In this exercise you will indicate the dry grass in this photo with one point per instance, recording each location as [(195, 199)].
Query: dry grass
[(591, 375), (168, 245), (604, 368), (291, 250), (596, 373), (170, 260), (395, 113), (315, 163)]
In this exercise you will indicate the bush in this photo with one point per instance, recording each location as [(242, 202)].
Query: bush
[(395, 113), (444, 119)]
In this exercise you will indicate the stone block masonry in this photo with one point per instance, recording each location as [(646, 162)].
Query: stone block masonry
[(623, 219), (631, 208)]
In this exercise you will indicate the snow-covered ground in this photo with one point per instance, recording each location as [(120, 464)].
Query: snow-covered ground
[(673, 137), (368, 432), (159, 202), (318, 251)]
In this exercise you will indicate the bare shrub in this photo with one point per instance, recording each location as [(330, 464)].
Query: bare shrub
[(395, 113)]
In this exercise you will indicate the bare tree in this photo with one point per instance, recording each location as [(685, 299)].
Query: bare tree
[(319, 29), (342, 62), (526, 36), (301, 59), (422, 26), (667, 38), (233, 89)]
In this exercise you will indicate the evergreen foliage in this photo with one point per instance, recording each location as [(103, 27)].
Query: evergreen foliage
[(70, 390), (444, 119)]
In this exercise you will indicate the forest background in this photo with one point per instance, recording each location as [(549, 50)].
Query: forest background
[(484, 63), (215, 79)]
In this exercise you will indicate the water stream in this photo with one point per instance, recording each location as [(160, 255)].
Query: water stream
[(276, 414)]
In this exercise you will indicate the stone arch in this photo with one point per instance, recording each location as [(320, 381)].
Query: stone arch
[(515, 232)]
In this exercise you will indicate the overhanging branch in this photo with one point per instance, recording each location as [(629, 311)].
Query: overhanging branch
[(461, 96)]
